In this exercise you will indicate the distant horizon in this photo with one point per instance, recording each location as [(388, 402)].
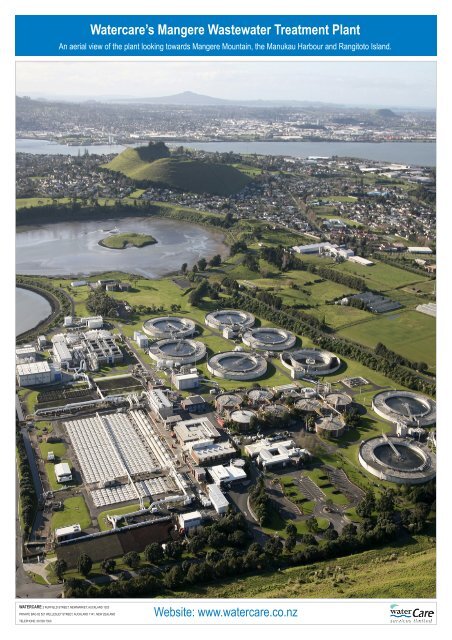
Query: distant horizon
[(273, 103), (364, 84)]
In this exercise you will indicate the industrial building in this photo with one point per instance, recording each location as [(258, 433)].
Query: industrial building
[(90, 349), (26, 353), (270, 454), (222, 475), (67, 533), (190, 520), (160, 404), (194, 430), (141, 339), (33, 374), (63, 472), (195, 404), (218, 499), (204, 452), (90, 322), (184, 381)]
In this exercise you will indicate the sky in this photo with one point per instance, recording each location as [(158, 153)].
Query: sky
[(367, 83)]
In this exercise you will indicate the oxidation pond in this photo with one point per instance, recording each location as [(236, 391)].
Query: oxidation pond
[(71, 248)]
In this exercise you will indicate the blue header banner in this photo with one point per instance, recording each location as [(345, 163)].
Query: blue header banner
[(251, 36)]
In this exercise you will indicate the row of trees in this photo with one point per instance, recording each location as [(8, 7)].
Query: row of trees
[(392, 356), (27, 493)]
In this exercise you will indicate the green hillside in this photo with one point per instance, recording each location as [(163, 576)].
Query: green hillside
[(180, 173)]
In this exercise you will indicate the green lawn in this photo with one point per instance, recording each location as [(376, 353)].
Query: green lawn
[(50, 471), (409, 333), (75, 512), (58, 448)]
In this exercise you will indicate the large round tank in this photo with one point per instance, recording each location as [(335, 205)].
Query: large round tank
[(397, 460), (237, 366), (169, 327), (228, 318), (269, 339), (332, 426), (414, 409), (310, 362), (179, 350), (340, 401)]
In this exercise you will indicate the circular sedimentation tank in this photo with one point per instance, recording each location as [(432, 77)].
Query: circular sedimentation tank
[(414, 409), (397, 460), (308, 405), (169, 327), (275, 410), (233, 365), (269, 339), (332, 426), (180, 350), (317, 362), (227, 402), (340, 401), (242, 417), (229, 318), (259, 396)]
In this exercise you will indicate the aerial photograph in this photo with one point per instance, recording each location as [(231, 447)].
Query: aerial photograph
[(225, 329)]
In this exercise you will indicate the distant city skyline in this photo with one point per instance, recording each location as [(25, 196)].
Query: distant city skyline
[(355, 83)]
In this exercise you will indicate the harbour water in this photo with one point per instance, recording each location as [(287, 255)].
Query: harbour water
[(412, 153)]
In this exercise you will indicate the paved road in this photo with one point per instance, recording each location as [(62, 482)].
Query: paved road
[(239, 495)]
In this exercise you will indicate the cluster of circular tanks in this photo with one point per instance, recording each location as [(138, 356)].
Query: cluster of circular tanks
[(395, 459)]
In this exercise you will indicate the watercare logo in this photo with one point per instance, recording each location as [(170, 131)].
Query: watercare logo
[(407, 614)]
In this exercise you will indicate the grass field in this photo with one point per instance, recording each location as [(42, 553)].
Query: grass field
[(75, 512), (401, 332), (58, 448), (181, 173), (395, 571)]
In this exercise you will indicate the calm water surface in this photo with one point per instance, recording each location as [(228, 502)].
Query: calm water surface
[(72, 248), (31, 309)]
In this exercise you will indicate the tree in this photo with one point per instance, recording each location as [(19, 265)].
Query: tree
[(153, 552), (184, 267), (291, 529), (173, 550), (367, 505), (195, 544), (202, 264), (108, 565), (215, 261), (290, 543), (312, 525), (59, 568), (84, 564), (132, 559)]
